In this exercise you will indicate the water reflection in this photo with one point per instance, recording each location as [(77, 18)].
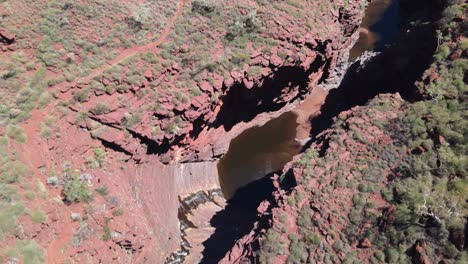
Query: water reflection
[(257, 152)]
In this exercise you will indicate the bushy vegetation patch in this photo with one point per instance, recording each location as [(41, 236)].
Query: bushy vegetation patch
[(28, 251), (76, 189)]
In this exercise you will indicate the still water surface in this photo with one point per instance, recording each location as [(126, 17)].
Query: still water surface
[(257, 152)]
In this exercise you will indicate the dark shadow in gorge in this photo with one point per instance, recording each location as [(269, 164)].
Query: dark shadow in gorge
[(394, 70), (236, 220), (241, 104)]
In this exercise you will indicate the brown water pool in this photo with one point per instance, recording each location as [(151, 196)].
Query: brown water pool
[(257, 152)]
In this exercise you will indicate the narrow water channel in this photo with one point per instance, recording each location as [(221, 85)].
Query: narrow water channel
[(259, 151)]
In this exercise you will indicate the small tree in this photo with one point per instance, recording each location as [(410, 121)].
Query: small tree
[(81, 96), (244, 25), (140, 15), (203, 7)]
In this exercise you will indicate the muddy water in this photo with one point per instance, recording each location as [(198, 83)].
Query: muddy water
[(257, 152), (379, 27)]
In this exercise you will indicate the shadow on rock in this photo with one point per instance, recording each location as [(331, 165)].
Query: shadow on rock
[(236, 220), (241, 104)]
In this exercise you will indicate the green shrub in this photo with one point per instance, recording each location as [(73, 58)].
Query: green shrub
[(272, 244), (314, 238), (443, 53), (8, 193), (462, 258), (45, 131), (28, 251), (38, 216), (76, 190), (17, 133), (338, 246), (452, 12), (391, 255), (107, 234), (150, 57), (297, 252), (69, 76), (203, 7), (358, 200), (291, 201), (140, 15), (243, 25), (44, 99), (103, 191), (129, 120), (100, 109), (10, 72), (117, 212), (8, 216), (100, 155), (30, 195), (304, 218), (97, 160), (355, 216), (13, 171), (81, 96), (379, 255), (450, 251)]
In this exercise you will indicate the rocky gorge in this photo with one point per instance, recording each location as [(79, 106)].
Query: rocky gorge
[(229, 141)]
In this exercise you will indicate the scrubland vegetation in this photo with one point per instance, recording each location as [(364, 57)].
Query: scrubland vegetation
[(70, 43), (16, 191), (430, 196), (60, 42)]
